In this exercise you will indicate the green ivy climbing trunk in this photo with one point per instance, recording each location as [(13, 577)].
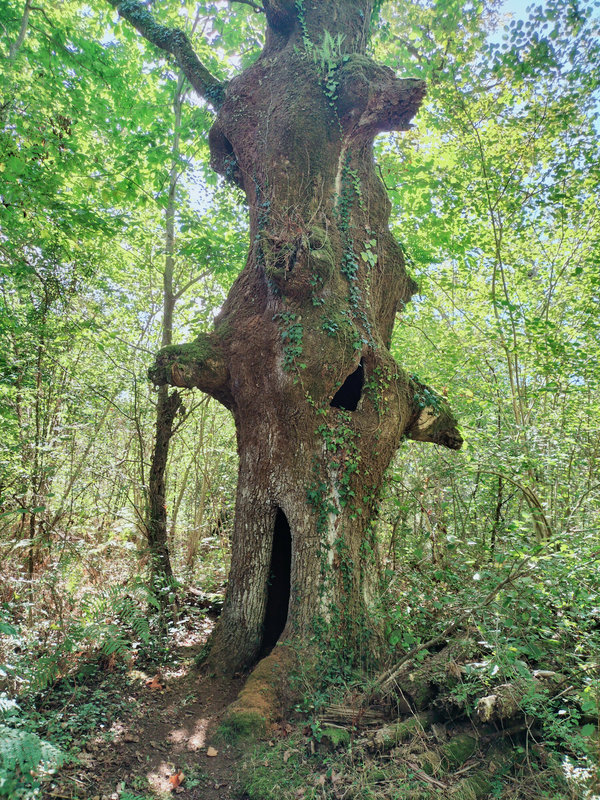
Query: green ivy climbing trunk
[(300, 351)]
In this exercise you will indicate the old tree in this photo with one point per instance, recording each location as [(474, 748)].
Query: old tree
[(300, 350)]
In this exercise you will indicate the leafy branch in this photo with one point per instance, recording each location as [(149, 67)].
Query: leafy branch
[(255, 6), (175, 42)]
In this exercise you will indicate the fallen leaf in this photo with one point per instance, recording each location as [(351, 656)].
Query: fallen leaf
[(212, 752), (176, 779), (286, 756), (154, 683)]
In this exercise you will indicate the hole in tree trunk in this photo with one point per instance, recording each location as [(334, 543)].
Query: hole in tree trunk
[(278, 596), (348, 395)]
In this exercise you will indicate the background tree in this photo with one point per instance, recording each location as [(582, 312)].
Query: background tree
[(82, 300)]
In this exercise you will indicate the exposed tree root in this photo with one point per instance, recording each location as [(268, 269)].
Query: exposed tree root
[(264, 697)]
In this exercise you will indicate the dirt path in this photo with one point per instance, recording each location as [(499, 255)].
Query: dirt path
[(168, 737)]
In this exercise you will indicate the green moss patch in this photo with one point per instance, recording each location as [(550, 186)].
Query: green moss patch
[(458, 750), (262, 699), (333, 737), (247, 725)]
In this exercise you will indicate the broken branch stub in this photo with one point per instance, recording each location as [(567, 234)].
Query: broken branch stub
[(199, 364)]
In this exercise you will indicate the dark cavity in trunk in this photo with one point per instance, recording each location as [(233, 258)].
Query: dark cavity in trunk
[(349, 393), (278, 596)]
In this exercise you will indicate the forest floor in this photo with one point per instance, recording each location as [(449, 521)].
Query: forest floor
[(135, 734), (163, 742)]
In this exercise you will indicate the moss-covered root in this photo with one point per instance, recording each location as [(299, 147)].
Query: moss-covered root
[(263, 698), (480, 783), (458, 750)]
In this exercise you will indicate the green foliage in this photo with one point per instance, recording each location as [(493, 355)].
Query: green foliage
[(113, 624), (497, 207), (129, 796), (495, 195), (425, 397), (292, 334), (23, 757), (328, 56)]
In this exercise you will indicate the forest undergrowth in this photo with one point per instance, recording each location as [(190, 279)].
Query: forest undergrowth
[(487, 687)]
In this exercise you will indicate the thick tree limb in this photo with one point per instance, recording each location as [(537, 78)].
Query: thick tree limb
[(372, 98), (199, 365), (432, 419), (176, 42)]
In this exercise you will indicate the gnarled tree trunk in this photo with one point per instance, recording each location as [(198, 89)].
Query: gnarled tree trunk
[(300, 351)]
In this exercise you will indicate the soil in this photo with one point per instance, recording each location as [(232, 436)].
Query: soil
[(169, 736)]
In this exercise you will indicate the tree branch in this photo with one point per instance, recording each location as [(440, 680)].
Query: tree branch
[(180, 292), (255, 6), (543, 527), (14, 48), (385, 681), (176, 42), (199, 364), (432, 419)]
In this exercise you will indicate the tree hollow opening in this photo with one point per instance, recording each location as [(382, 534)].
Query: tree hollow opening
[(278, 589), (348, 395)]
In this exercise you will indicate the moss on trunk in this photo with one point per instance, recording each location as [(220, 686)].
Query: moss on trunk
[(315, 302)]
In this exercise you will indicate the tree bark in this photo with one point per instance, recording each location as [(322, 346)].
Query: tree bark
[(156, 523), (300, 351), (167, 405)]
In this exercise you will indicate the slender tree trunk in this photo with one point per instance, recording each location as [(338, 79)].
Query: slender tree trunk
[(168, 404), (15, 46)]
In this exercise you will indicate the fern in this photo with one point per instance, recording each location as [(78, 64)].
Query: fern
[(327, 56), (7, 705), (24, 758), (113, 622)]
